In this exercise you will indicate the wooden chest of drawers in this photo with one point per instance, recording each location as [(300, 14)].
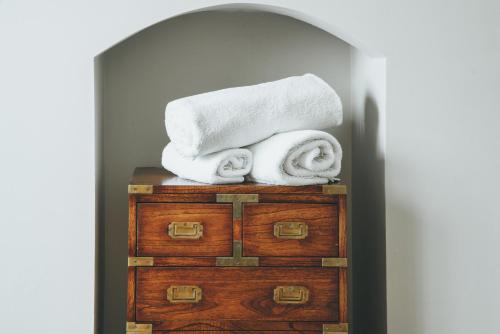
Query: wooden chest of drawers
[(247, 258)]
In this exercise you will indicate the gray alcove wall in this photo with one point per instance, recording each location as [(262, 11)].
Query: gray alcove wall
[(211, 50)]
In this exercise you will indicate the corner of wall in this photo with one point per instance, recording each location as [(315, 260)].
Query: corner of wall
[(368, 103)]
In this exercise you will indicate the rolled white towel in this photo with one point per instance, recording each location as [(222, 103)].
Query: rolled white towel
[(240, 116), (228, 166), (296, 158)]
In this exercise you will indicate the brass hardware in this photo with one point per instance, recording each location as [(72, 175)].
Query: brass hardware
[(237, 260), (140, 189), (184, 294), (291, 295), (140, 261), (334, 189), (237, 200), (185, 230), (133, 328), (340, 328), (290, 230), (334, 262)]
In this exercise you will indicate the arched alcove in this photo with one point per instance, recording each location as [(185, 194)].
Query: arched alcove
[(219, 48)]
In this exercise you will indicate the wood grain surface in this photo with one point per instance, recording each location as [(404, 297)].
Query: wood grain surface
[(154, 218), (235, 299), (342, 226), (297, 198), (131, 294), (258, 229), (343, 281), (240, 332), (237, 294), (165, 182), (238, 325), (132, 226)]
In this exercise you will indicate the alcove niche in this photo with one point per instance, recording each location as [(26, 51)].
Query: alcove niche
[(219, 48)]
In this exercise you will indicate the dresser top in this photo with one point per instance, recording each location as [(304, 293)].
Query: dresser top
[(155, 180)]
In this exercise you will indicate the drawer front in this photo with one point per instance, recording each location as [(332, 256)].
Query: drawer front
[(292, 294), (282, 229), (172, 229)]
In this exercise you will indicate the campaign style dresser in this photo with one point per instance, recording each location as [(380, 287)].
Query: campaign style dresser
[(246, 258)]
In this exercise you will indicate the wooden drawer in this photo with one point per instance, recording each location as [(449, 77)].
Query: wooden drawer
[(302, 294), (246, 258), (174, 229), (290, 229)]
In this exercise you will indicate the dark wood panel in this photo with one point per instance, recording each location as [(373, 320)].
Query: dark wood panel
[(343, 287), (343, 290), (165, 182), (258, 229), (342, 226), (132, 226), (211, 198), (236, 294), (238, 325), (131, 294), (343, 308), (242, 332), (184, 261), (290, 261), (176, 198), (297, 198), (237, 228), (154, 219)]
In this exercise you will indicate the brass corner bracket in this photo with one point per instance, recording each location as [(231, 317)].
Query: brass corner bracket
[(237, 260), (140, 189), (334, 262), (140, 261), (334, 189), (237, 200), (133, 328), (340, 328)]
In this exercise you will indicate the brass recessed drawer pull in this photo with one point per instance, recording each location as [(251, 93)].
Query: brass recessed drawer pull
[(290, 230), (185, 230), (291, 294), (184, 294)]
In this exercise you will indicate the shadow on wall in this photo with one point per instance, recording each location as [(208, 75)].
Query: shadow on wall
[(368, 226)]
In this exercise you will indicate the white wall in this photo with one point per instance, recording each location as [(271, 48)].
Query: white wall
[(183, 56), (442, 226)]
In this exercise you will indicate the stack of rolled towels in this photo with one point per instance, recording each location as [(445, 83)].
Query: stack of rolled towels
[(267, 133)]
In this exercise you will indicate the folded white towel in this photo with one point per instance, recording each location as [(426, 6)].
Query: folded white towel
[(228, 166), (240, 116), (296, 158)]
